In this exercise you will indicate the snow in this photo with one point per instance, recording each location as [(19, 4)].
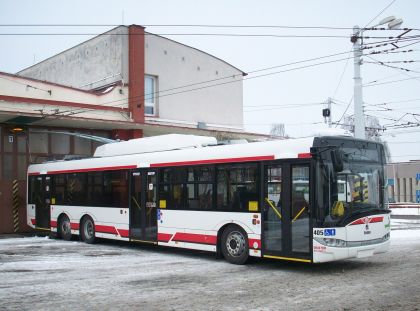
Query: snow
[(405, 211), (45, 274)]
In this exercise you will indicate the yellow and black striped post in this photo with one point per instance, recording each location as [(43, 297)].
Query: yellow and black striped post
[(15, 205)]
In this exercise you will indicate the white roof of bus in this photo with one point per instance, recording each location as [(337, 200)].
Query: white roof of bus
[(276, 149)]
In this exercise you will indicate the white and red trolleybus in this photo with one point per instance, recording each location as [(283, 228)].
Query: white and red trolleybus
[(314, 199)]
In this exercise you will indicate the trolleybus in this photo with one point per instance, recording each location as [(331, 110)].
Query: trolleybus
[(313, 199)]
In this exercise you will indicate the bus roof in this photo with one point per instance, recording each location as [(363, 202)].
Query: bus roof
[(257, 151)]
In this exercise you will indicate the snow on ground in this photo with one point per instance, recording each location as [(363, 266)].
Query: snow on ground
[(405, 223), (43, 274), (406, 211)]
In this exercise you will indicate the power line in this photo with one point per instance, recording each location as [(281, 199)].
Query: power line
[(394, 81), (177, 34), (342, 74), (379, 14), (191, 25), (141, 97), (342, 116)]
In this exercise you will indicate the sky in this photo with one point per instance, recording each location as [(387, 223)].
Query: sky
[(288, 94)]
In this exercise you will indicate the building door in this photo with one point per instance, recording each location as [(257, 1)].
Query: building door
[(143, 205), (286, 211), (42, 202)]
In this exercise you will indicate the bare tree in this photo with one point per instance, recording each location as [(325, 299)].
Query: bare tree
[(278, 130)]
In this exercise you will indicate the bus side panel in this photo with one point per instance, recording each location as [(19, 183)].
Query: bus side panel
[(110, 222), (178, 228)]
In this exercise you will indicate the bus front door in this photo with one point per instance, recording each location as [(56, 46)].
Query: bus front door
[(42, 200), (286, 214), (143, 210)]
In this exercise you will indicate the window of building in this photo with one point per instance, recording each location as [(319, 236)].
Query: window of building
[(150, 95), (38, 142), (60, 144)]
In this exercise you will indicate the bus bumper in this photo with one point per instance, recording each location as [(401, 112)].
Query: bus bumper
[(322, 253)]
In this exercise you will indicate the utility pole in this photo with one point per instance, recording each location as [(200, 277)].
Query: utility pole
[(359, 117), (326, 113)]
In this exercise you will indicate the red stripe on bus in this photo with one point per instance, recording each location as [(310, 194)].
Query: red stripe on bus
[(33, 221), (251, 243), (304, 155), (195, 238), (164, 237), (358, 222), (74, 226), (213, 161), (106, 229), (361, 221), (34, 174), (53, 223), (377, 219), (123, 233), (94, 169)]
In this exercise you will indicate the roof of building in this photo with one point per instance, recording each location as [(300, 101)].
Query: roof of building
[(147, 33)]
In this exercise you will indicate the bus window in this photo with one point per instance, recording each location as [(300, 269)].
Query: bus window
[(200, 188), (58, 189), (76, 189), (237, 188)]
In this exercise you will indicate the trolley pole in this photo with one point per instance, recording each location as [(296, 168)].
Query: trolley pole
[(359, 117)]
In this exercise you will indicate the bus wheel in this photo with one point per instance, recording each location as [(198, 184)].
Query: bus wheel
[(64, 228), (88, 230), (235, 245)]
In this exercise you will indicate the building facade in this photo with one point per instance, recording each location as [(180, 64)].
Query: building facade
[(123, 84), (404, 182)]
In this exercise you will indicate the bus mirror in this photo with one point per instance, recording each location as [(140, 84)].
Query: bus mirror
[(337, 160)]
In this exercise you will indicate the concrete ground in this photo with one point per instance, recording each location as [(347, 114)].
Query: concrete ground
[(38, 273)]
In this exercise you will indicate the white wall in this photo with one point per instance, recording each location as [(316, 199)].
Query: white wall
[(85, 64), (177, 65)]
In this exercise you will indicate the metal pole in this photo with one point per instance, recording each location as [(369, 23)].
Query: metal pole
[(359, 118), (329, 107)]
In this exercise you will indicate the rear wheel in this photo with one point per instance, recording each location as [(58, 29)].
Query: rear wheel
[(64, 228), (235, 245), (88, 230)]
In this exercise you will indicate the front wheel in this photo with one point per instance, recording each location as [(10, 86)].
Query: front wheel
[(88, 230), (235, 245)]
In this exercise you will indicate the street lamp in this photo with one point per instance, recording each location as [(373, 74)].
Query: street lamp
[(359, 118)]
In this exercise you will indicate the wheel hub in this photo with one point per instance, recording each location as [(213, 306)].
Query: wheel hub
[(235, 244)]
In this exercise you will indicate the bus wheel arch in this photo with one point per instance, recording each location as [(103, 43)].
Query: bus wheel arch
[(87, 229), (64, 227), (232, 243)]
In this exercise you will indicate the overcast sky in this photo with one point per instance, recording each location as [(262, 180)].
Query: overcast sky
[(291, 96)]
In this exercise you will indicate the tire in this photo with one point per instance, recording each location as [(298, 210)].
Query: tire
[(64, 228), (87, 230), (235, 245)]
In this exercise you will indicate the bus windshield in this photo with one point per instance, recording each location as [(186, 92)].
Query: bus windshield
[(353, 186)]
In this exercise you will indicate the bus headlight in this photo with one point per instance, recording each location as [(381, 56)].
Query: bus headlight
[(331, 242)]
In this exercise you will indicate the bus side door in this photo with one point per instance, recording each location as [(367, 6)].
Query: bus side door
[(143, 205), (42, 202), (286, 214)]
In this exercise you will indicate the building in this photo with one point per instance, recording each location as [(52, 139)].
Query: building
[(404, 182), (123, 84)]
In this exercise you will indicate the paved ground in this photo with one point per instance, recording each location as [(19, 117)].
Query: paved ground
[(41, 274)]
